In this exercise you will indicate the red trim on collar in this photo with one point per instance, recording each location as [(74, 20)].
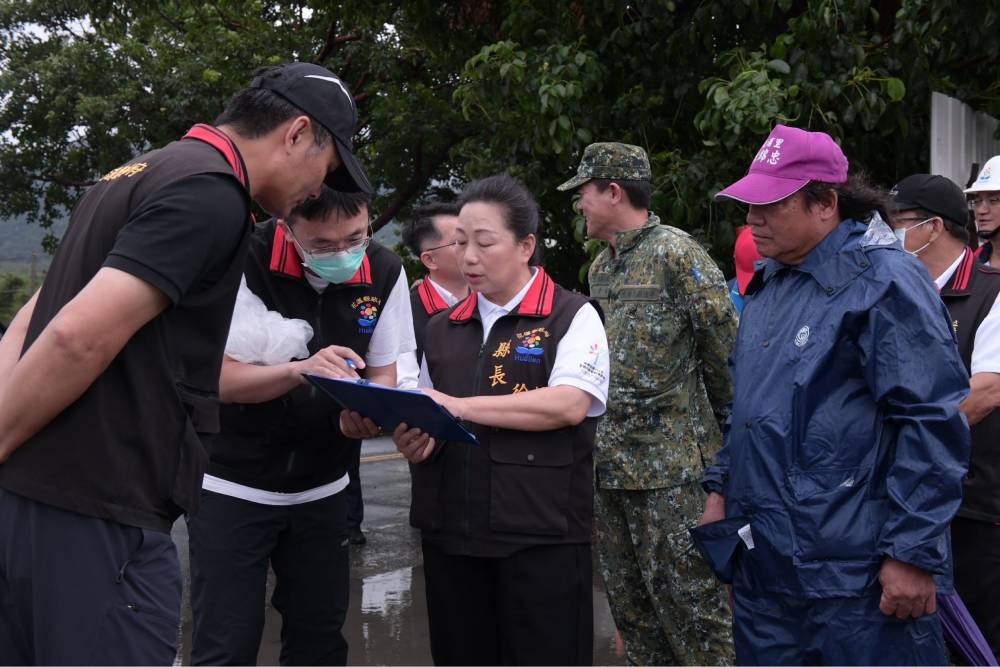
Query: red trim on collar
[(960, 281), (430, 298), (284, 257), (463, 313), (285, 260), (220, 142), (536, 303), (364, 273)]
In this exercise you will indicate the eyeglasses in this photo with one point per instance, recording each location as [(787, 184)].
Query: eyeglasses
[(992, 202), (438, 247), (329, 249)]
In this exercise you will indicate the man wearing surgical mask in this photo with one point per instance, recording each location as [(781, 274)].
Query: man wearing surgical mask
[(928, 214), (277, 487)]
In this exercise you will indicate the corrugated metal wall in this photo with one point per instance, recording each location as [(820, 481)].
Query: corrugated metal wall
[(960, 137)]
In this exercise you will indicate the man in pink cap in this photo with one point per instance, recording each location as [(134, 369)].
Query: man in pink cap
[(829, 504)]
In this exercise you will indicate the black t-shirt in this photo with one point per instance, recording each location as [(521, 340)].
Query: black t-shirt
[(178, 241), (128, 450)]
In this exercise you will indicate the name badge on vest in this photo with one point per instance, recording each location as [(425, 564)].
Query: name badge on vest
[(639, 293)]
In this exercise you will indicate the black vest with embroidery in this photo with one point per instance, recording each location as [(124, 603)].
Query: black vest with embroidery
[(425, 302), (969, 296), (293, 443), (515, 488)]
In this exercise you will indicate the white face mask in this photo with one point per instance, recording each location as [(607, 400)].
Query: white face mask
[(901, 235)]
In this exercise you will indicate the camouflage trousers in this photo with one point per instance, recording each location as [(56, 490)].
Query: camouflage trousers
[(668, 606)]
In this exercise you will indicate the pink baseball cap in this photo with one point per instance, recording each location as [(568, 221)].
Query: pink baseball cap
[(788, 159)]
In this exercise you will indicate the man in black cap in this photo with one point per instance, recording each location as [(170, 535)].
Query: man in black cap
[(111, 370), (929, 214)]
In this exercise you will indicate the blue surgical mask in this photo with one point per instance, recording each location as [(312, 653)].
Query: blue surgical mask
[(334, 267)]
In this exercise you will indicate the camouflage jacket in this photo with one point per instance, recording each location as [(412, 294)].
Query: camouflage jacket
[(671, 327)]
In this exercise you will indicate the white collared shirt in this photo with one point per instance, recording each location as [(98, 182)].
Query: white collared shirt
[(986, 347), (407, 371), (393, 336), (446, 296), (581, 356)]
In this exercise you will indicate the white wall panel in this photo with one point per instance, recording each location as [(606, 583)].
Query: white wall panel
[(959, 138)]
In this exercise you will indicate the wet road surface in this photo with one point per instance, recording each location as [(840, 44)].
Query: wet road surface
[(387, 619)]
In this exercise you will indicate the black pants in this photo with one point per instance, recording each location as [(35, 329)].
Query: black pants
[(84, 591), (532, 608), (355, 501), (231, 543), (975, 548)]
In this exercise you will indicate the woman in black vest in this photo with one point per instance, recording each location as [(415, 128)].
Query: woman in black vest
[(506, 523)]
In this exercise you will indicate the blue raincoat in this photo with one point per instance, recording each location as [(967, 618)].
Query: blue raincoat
[(845, 443)]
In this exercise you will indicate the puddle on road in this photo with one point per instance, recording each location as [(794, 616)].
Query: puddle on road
[(387, 626), (387, 593)]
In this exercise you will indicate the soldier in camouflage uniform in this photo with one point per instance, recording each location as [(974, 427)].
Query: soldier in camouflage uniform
[(670, 326)]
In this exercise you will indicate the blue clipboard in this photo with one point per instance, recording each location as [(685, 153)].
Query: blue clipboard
[(390, 407)]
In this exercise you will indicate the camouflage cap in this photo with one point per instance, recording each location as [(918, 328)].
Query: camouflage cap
[(613, 160)]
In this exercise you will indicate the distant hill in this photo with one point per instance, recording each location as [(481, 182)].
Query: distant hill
[(19, 242)]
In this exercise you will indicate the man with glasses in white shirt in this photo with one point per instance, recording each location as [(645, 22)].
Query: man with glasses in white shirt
[(276, 489), (928, 215), (430, 235), (984, 202)]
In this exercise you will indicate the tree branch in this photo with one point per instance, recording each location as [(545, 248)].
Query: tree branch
[(171, 21), (333, 42), (422, 173), (347, 64), (226, 21), (361, 82)]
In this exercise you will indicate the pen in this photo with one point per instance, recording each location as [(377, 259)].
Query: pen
[(350, 364)]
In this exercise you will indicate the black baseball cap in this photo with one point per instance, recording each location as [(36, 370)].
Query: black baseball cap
[(321, 94), (934, 194)]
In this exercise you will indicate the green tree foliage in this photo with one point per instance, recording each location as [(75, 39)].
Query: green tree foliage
[(85, 86), (453, 90)]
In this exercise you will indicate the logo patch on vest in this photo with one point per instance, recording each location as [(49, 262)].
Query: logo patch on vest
[(366, 308), (529, 345), (590, 368)]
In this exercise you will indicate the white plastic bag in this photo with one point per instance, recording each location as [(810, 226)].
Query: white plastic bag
[(261, 336)]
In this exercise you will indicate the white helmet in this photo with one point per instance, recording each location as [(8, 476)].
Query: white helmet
[(989, 177)]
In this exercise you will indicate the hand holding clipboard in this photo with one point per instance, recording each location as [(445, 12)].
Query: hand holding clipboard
[(389, 407)]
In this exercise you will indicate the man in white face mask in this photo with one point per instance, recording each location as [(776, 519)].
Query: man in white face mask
[(278, 488), (928, 213)]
